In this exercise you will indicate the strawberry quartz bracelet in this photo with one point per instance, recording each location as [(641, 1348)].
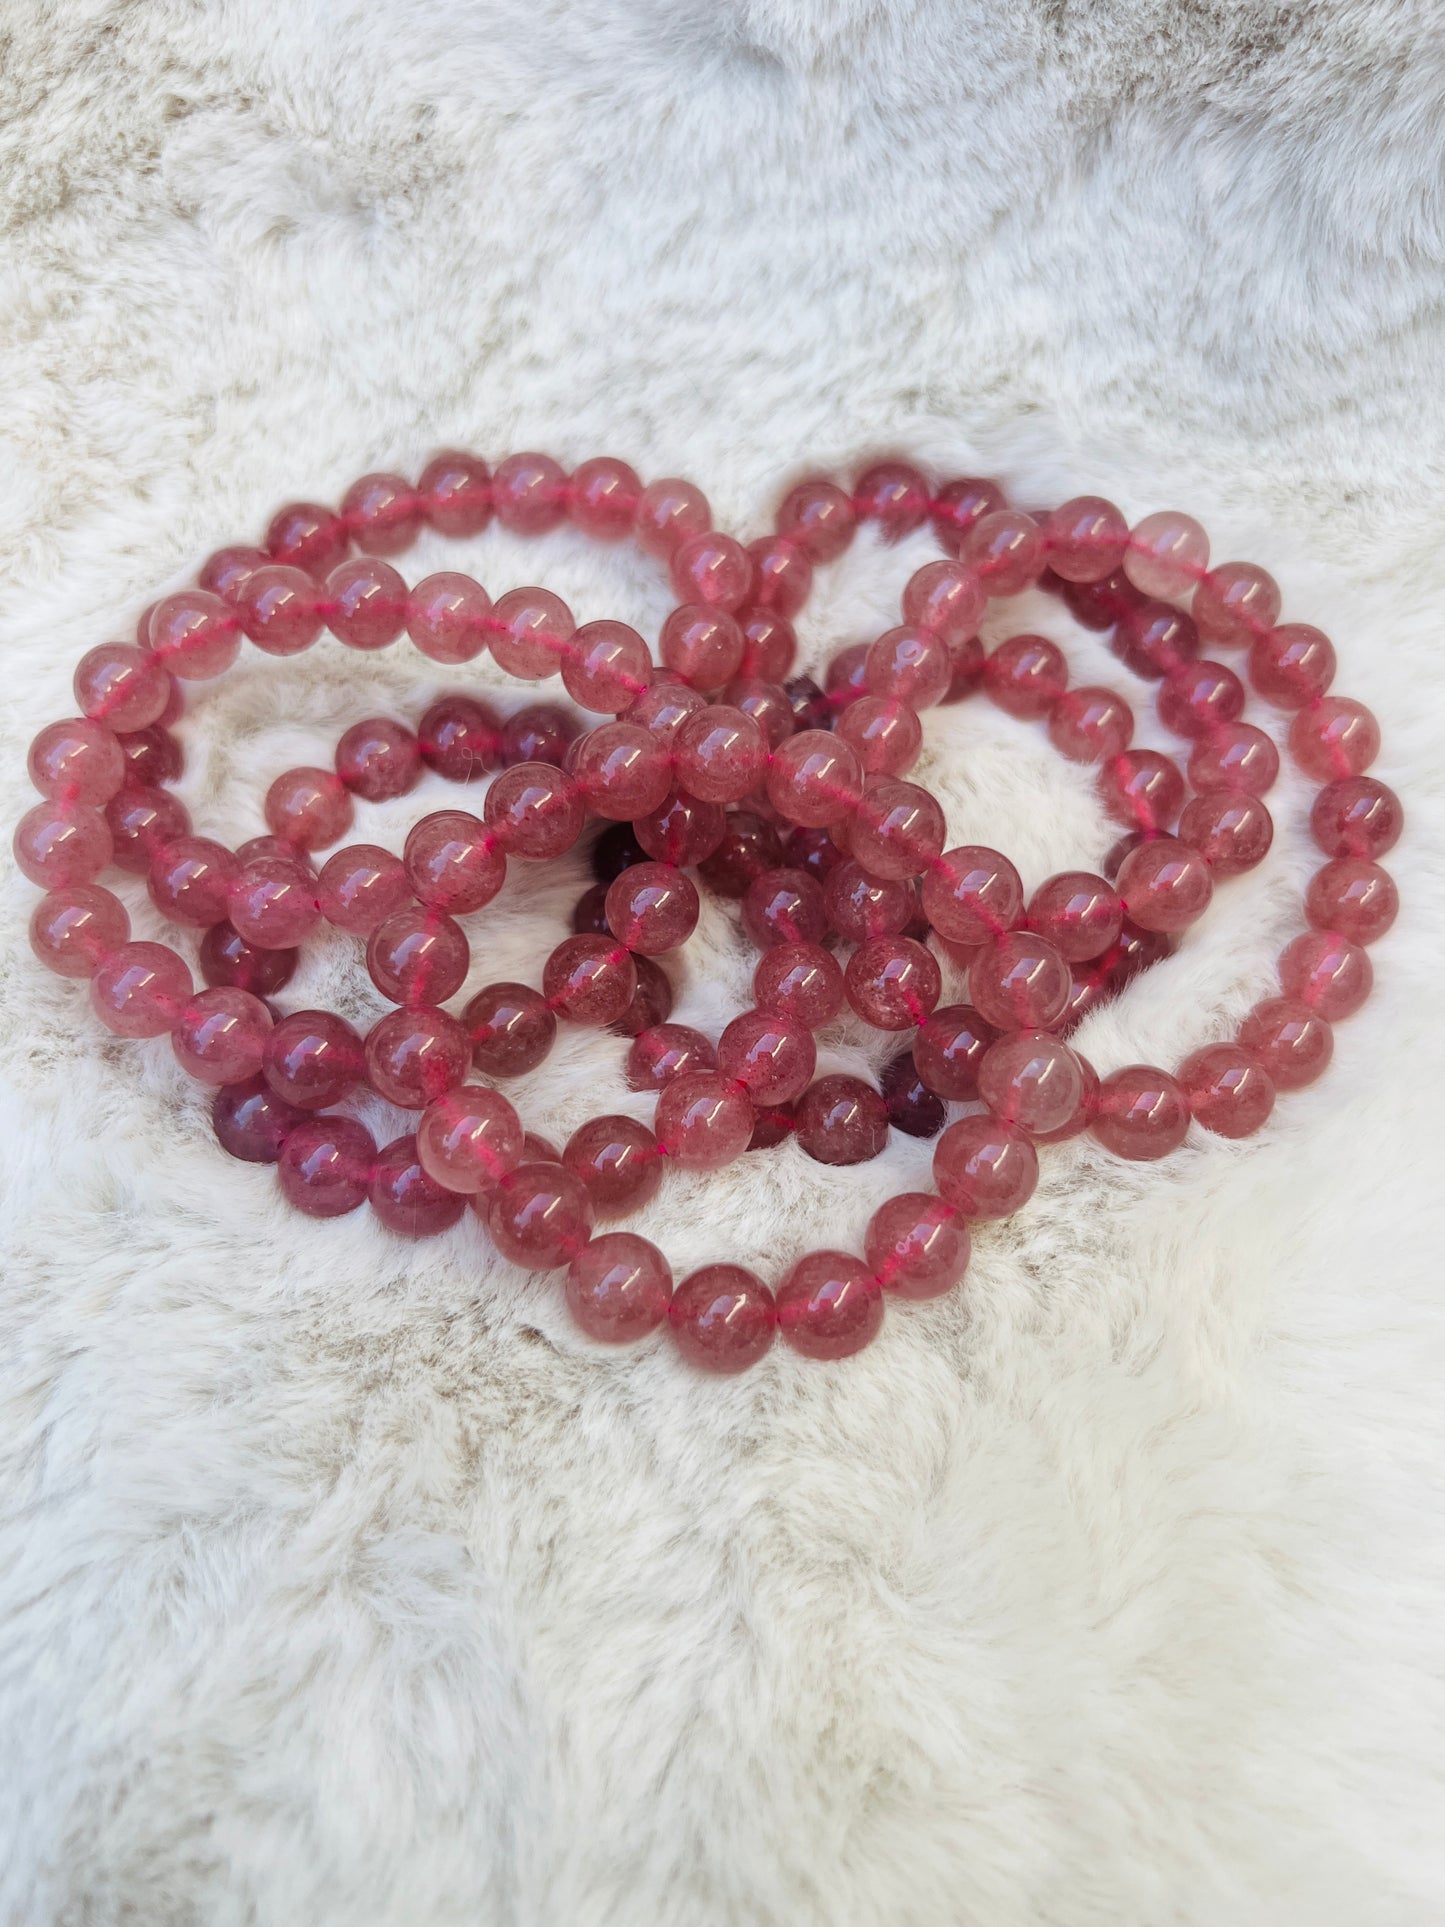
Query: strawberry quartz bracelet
[(716, 769)]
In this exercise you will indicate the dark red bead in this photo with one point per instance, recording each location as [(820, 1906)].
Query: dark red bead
[(912, 1106)]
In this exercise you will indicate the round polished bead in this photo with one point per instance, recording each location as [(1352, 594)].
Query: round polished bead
[(589, 980), (916, 1245), (195, 634), (800, 981), (618, 1161), (529, 493), (414, 1055), (271, 848), (893, 982), (1228, 1090), (378, 759), (73, 928), (1085, 538), (770, 644), (723, 1318), (1155, 640), (1352, 897), (651, 1002), (141, 823), (455, 862), (669, 512), (909, 664), (308, 807), (772, 1123), (510, 1027), (152, 756), (959, 504), (540, 733), (619, 1287), (325, 1165), (652, 908), (57, 844), (1292, 665), (704, 1120), (1140, 1113), (1031, 1079), (1090, 725), (682, 830), (895, 496), (307, 536), (784, 906), (273, 903), (860, 906), (121, 686), (448, 616), (942, 599), (418, 955), (460, 739), (1356, 816), (1292, 1042), (719, 754), (662, 707), (1334, 737), (702, 645), (772, 1055), (533, 811), (220, 1036), (1078, 912), (819, 517), (1196, 700), (366, 603), (361, 886), (1019, 982), (898, 829), (1101, 605), (885, 734), (382, 513), (1005, 550), (622, 771), (664, 1052), (829, 1305), (841, 1120), (814, 779), (405, 1196), (782, 575), (529, 631), (1026, 676), (985, 1168), (227, 960), (1165, 884), (77, 762), (749, 847), (455, 493), (912, 1107), (227, 569), (846, 677), (312, 1058), (949, 1049), (1232, 832), (251, 1122), (280, 608), (602, 498), (972, 894), (714, 570), (606, 667), (190, 880), (764, 703), (1326, 972), (1168, 553), (1234, 603), (140, 989), (1236, 756)]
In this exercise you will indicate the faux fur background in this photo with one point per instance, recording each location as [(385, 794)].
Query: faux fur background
[(341, 1582)]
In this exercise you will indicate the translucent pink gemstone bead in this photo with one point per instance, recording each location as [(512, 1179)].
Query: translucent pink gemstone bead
[(603, 498), (325, 1166), (1032, 1079), (949, 1050), (782, 575), (366, 603), (829, 1305), (1085, 538), (273, 903), (404, 1195), (664, 1052), (529, 631), (897, 830), (227, 569), (723, 1318), (533, 812), (719, 754), (682, 831), (895, 496), (469, 1138), (313, 1058), (220, 1036), (361, 886), (860, 906), (661, 708), (589, 980), (607, 667), (652, 908), (447, 616), (946, 600), (152, 756), (1154, 639), (140, 989), (414, 1055), (702, 645), (1198, 698), (668, 513), (1019, 982), (227, 961), (884, 734), (985, 1168), (1229, 1091), (819, 517), (251, 1122), (141, 823), (460, 739), (418, 955), (909, 664), (1293, 1043), (749, 846), (1026, 676), (801, 981), (1356, 816), (972, 895), (540, 1218), (1328, 972), (382, 513), (539, 733), (713, 569), (455, 492), (121, 686), (618, 1161), (1292, 665), (814, 779), (958, 504), (78, 761), (1352, 897), (1168, 554), (190, 880), (57, 844), (619, 1288), (1232, 832), (1090, 725), (511, 1029), (1236, 756), (195, 634), (73, 928), (704, 1120), (1140, 1113), (455, 862), (1234, 603), (841, 1120), (764, 703), (1164, 884), (307, 536), (309, 807), (1005, 550), (772, 1055), (1078, 912), (1334, 737), (378, 759), (622, 770), (893, 982), (916, 1245), (280, 609), (784, 906), (529, 493)]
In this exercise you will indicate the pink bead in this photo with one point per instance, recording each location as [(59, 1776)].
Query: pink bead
[(715, 571), (883, 733), (226, 961), (651, 1002), (227, 569), (455, 862), (539, 733), (1091, 725), (1140, 1113), (1234, 603), (622, 771), (325, 1166), (985, 1168), (603, 498), (469, 1138), (893, 983), (455, 493), (414, 1055), (662, 708), (764, 703), (361, 886), (819, 517), (273, 903), (704, 1120), (1031, 1079), (280, 609), (309, 807), (378, 759), (1334, 737), (1154, 640), (141, 823), (682, 831), (769, 644), (895, 496), (1026, 676), (313, 1059), (1236, 756), (1019, 982), (73, 928), (607, 667), (1195, 700), (195, 634), (1231, 832), (1293, 1043), (1085, 538), (773, 1056), (652, 908), (533, 812), (723, 1318), (800, 981), (784, 906), (589, 980), (704, 646), (949, 1051), (251, 1122), (829, 1305), (77, 762), (511, 1029), (898, 829), (540, 1217), (946, 600), (814, 779), (1005, 550), (618, 1161), (619, 1288), (447, 617), (1078, 912), (1168, 554), (58, 844), (366, 603), (1165, 884), (859, 906), (916, 1245), (1079, 1118), (418, 955), (1228, 1091), (1326, 972), (1353, 898), (529, 631), (140, 989), (782, 575), (1292, 665), (460, 739), (152, 756), (220, 1036), (958, 504), (121, 686), (382, 513), (1356, 816), (404, 1195), (748, 848), (664, 1052), (669, 512), (846, 677), (909, 664), (306, 536), (529, 494), (719, 754), (190, 881), (972, 894), (841, 1120)]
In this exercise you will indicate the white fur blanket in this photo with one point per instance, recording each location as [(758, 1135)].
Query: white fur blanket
[(341, 1582)]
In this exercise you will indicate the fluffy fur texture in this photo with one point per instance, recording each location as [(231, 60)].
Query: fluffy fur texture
[(341, 1581)]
